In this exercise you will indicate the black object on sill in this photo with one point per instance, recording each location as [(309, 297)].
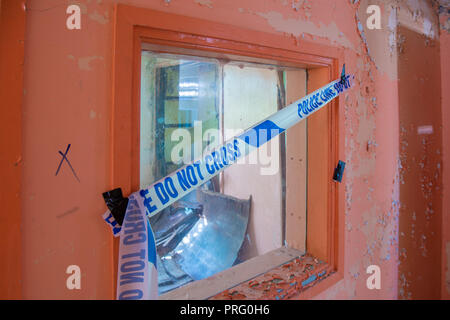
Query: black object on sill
[(116, 203), (339, 171)]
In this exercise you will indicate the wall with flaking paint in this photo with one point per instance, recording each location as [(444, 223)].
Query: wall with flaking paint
[(67, 100), (420, 166)]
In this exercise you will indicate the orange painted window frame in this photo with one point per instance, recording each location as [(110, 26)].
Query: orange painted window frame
[(135, 26)]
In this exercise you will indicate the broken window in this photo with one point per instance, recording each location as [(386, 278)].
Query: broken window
[(192, 104)]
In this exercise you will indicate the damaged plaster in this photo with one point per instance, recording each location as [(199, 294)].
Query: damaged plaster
[(84, 62), (102, 19), (298, 27), (206, 3)]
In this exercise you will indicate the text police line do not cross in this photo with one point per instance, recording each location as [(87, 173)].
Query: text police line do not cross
[(169, 189)]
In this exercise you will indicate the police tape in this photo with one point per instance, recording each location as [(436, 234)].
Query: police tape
[(137, 275), (176, 185)]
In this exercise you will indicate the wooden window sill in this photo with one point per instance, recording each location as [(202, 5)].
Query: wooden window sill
[(283, 273), (282, 283)]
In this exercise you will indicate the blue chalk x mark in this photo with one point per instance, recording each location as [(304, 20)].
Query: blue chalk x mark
[(64, 157)]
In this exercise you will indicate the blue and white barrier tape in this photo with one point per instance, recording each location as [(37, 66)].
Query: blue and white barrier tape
[(174, 186)]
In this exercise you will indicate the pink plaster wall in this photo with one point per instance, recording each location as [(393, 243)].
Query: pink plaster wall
[(67, 100)]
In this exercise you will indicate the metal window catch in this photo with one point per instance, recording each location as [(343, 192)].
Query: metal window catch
[(116, 203), (339, 171), (343, 78)]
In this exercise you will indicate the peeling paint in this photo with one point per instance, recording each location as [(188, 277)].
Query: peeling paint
[(298, 27), (363, 36), (283, 282), (427, 28), (444, 17), (419, 16), (206, 3), (84, 63), (102, 19), (392, 27)]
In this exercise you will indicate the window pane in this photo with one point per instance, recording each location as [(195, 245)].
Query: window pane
[(251, 95), (187, 105)]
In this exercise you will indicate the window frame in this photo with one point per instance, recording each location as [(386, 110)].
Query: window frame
[(134, 27)]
